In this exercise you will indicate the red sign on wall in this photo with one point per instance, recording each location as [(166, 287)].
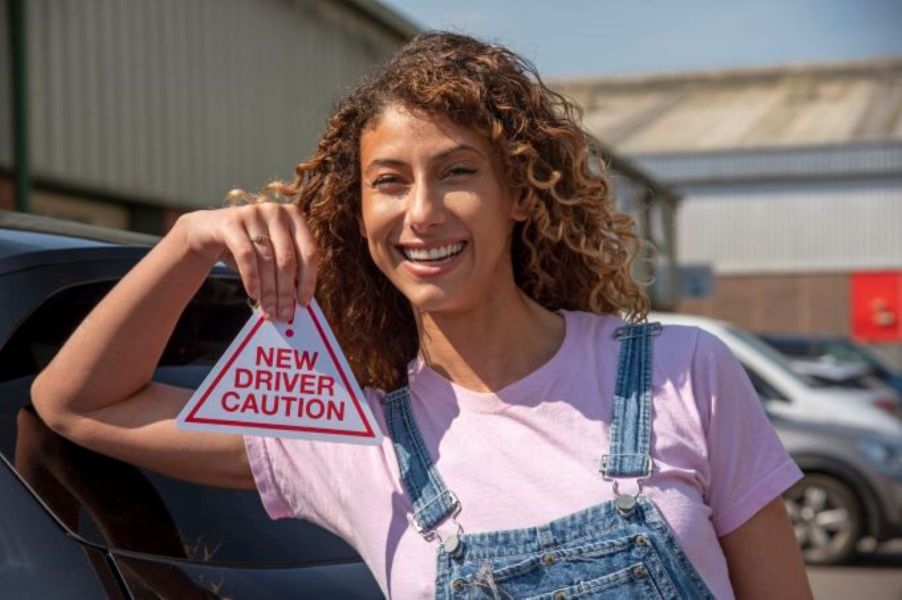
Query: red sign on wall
[(877, 306)]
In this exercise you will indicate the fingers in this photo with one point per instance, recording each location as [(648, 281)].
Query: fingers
[(307, 253), (275, 254), (259, 235), (245, 255), (286, 262)]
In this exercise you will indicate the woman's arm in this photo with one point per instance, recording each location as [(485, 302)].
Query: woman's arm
[(764, 558), (97, 391)]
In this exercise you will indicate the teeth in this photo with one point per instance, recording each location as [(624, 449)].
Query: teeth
[(432, 253)]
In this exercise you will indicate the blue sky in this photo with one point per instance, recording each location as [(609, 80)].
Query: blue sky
[(583, 37)]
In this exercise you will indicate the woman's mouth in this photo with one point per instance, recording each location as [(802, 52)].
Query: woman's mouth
[(432, 256), (436, 261)]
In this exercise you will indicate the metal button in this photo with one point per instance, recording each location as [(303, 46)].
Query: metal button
[(451, 544), (641, 540), (458, 584), (625, 503), (548, 558), (639, 571), (560, 596)]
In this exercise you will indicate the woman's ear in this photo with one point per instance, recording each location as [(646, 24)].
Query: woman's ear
[(521, 211)]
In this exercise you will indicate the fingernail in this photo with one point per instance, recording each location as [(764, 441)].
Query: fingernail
[(286, 313)]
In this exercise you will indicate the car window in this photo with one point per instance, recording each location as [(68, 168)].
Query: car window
[(846, 350), (209, 322), (118, 505), (796, 347), (765, 390), (776, 358)]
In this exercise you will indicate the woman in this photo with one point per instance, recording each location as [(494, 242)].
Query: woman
[(469, 258)]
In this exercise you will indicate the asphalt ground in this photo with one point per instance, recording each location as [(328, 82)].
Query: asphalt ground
[(875, 575)]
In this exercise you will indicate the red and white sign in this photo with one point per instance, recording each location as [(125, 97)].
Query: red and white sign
[(283, 380)]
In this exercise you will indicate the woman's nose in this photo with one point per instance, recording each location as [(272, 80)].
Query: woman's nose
[(426, 208)]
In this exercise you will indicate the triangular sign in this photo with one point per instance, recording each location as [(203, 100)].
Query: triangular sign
[(283, 380)]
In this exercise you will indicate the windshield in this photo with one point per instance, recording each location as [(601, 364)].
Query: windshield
[(849, 351), (777, 358)]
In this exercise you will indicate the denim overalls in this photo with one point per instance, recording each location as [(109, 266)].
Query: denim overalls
[(621, 548)]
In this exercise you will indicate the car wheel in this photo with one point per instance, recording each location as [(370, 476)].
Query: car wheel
[(826, 517)]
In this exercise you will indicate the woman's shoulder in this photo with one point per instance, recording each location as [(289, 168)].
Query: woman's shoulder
[(679, 350), (680, 338), (374, 395)]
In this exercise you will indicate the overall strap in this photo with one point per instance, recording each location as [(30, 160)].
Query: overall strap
[(631, 422), (432, 501)]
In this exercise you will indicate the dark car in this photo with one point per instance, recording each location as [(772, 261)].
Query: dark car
[(833, 350), (77, 524)]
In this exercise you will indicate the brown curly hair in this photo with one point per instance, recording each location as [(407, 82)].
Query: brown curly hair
[(574, 251)]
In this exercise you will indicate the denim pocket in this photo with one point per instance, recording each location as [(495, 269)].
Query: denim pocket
[(622, 567), (633, 581)]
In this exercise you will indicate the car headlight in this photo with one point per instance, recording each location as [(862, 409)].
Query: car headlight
[(884, 456)]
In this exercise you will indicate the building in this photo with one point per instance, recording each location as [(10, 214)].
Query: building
[(139, 111), (792, 187), (135, 112)]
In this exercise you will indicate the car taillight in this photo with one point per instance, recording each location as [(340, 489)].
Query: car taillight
[(888, 405)]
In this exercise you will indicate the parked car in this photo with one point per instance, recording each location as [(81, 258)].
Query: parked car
[(852, 483), (796, 395), (840, 374), (77, 524), (836, 350), (849, 376), (851, 488)]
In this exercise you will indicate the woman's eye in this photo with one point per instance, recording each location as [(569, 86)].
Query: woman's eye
[(385, 180), (461, 171)]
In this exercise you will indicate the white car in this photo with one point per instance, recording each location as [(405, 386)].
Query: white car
[(791, 394)]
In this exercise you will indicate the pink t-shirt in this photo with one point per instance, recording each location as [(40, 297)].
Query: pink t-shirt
[(529, 453)]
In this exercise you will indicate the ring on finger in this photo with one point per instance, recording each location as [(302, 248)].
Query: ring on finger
[(260, 238)]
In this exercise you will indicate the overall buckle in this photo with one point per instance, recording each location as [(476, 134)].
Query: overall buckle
[(450, 544), (625, 503)]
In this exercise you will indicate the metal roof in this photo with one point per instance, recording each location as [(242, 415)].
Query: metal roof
[(796, 105), (389, 18)]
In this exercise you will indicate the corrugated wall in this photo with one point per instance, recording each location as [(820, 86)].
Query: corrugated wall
[(6, 99), (177, 101), (793, 227)]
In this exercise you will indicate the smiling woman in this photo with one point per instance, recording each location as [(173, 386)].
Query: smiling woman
[(436, 214), (477, 275)]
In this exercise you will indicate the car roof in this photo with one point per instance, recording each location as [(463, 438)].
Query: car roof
[(685, 319), (804, 337), (22, 233), (13, 242), (29, 240)]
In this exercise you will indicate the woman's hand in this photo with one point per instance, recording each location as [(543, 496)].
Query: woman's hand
[(268, 243)]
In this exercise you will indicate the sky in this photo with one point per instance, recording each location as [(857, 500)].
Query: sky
[(571, 38)]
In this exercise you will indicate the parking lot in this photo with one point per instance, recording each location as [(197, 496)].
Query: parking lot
[(875, 575)]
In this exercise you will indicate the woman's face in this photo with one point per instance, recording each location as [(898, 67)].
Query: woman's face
[(436, 212)]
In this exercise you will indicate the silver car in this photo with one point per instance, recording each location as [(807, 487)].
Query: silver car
[(852, 487), (847, 445)]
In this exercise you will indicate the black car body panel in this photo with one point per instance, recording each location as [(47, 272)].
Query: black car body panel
[(31, 539), (173, 579)]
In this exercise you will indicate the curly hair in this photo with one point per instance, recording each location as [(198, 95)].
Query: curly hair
[(574, 251)]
